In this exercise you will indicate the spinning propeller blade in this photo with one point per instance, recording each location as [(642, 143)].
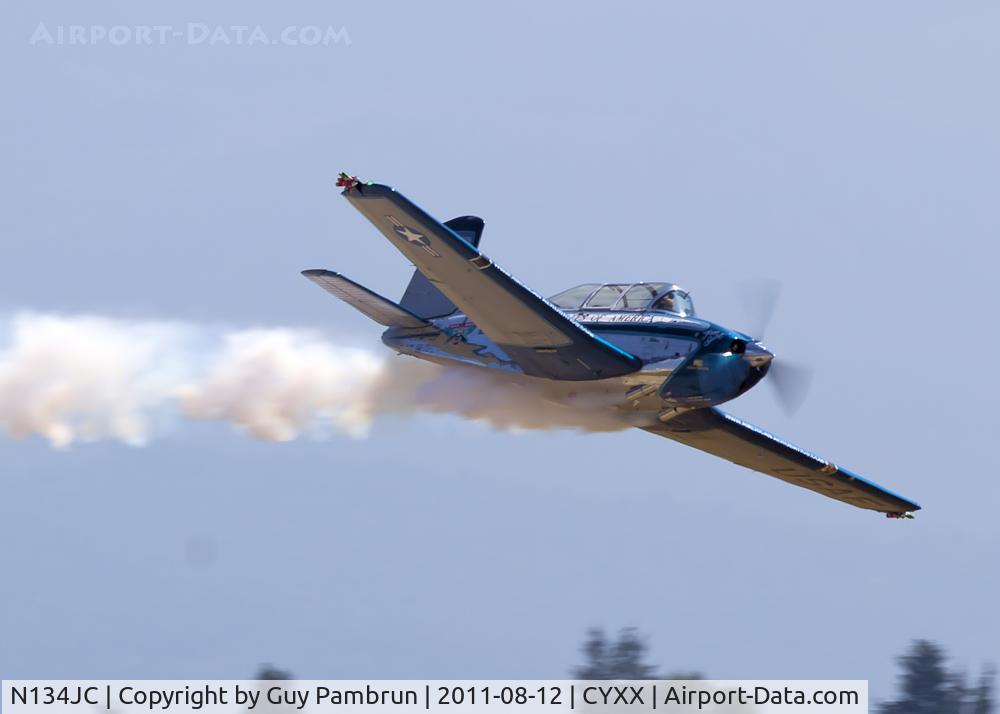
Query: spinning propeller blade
[(790, 380), (759, 298), (791, 384)]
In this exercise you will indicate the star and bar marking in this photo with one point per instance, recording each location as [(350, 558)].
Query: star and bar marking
[(411, 236)]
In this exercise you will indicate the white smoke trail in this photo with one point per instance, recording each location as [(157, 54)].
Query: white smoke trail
[(85, 378), (411, 385), (273, 382)]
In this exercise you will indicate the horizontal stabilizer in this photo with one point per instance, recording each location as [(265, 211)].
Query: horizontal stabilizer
[(381, 310)]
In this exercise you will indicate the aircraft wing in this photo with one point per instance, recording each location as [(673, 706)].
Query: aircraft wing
[(537, 336), (724, 435)]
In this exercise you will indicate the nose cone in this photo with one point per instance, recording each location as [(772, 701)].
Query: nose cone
[(757, 355)]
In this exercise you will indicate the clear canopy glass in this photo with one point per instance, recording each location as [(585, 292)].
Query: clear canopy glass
[(625, 296), (573, 298)]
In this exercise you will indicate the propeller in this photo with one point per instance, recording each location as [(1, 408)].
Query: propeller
[(759, 299), (790, 380)]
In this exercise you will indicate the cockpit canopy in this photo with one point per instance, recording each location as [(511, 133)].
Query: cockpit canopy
[(625, 296)]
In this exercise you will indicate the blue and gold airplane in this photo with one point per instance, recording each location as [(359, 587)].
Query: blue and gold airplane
[(637, 348)]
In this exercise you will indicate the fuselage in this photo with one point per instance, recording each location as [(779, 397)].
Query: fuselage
[(687, 362)]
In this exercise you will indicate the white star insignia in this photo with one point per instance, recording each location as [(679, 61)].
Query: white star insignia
[(411, 236)]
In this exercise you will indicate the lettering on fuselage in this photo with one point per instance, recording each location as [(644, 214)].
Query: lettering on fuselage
[(635, 318)]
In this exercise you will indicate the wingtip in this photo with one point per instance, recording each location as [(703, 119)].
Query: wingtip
[(317, 272), (346, 181), (353, 186)]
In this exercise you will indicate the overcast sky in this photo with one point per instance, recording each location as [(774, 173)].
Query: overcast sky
[(849, 150)]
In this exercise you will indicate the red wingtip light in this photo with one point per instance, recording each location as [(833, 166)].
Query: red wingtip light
[(346, 181)]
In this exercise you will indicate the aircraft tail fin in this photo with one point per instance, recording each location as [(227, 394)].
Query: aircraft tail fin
[(422, 298), (371, 304)]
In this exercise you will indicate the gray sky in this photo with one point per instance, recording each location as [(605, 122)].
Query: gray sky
[(848, 150)]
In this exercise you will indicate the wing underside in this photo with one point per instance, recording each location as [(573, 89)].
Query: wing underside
[(721, 434), (535, 334)]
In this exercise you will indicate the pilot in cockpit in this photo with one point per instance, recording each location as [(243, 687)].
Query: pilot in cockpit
[(666, 303)]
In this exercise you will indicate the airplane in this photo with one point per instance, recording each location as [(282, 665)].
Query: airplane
[(638, 348)]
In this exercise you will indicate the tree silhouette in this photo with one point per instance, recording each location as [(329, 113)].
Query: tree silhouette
[(268, 671), (622, 659), (927, 686), (982, 698)]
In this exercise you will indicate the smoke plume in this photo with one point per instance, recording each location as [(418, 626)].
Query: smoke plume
[(86, 378)]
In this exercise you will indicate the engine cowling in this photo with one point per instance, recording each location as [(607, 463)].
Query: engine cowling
[(721, 370)]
